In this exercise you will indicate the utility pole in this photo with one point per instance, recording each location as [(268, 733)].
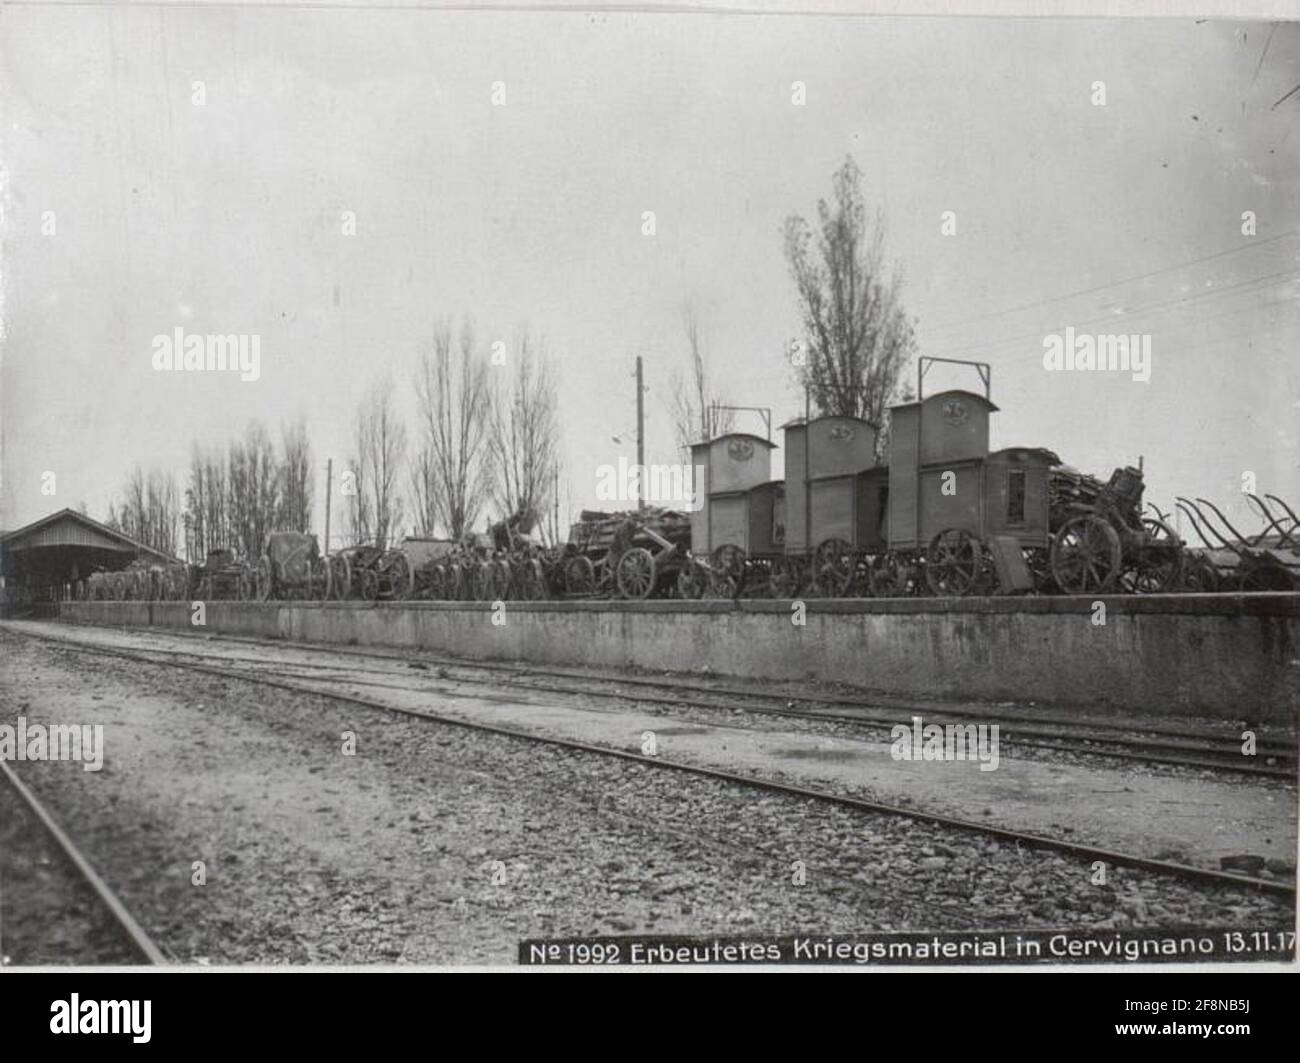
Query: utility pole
[(640, 435), (329, 482)]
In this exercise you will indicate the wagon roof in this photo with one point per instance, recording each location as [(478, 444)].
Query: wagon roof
[(942, 394), (735, 435), (1042, 453), (799, 422)]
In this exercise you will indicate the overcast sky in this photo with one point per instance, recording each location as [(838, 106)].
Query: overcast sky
[(225, 218)]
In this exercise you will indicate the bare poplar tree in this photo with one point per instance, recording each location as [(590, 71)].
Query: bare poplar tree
[(252, 485), (692, 402), (523, 437), (451, 388), (857, 335), (381, 451), (149, 510), (295, 477)]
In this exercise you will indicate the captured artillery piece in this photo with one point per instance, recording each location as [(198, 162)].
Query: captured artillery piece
[(624, 554), (1269, 561), (369, 573), (427, 562), (1101, 540), (291, 566), (222, 577)]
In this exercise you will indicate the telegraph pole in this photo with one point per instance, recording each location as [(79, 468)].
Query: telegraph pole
[(640, 435), (329, 482)]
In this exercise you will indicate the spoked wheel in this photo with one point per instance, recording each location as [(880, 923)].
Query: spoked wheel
[(457, 578), (1158, 567), (579, 576), (321, 579), (635, 573), (369, 585), (482, 581), (531, 580), (1086, 556), (401, 578), (265, 578), (502, 579), (955, 563), (1039, 562), (690, 581), (340, 578), (888, 577), (435, 583), (833, 568), (728, 564), (784, 579)]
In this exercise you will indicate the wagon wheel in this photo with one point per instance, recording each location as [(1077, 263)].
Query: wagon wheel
[(503, 579), (955, 563), (888, 577), (1158, 565), (265, 578), (690, 580), (340, 577), (402, 578), (784, 579), (1086, 555), (832, 567), (531, 580), (728, 575), (579, 576), (1039, 562), (481, 582), (431, 582), (635, 573), (369, 585)]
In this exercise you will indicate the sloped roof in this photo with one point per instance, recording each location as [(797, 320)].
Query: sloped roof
[(67, 527)]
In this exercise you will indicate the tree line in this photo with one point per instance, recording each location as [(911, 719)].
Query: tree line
[(485, 446)]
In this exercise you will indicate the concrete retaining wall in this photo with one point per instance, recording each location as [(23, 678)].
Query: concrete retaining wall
[(1224, 655)]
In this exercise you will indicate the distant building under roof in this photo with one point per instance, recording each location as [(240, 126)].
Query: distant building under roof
[(41, 562)]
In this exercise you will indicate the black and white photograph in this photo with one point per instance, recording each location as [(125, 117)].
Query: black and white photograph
[(563, 488)]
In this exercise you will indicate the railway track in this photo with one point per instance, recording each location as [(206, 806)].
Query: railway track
[(130, 931), (1090, 853), (1148, 743)]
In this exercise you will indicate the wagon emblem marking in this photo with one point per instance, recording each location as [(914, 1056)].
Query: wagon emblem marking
[(955, 412), (740, 450)]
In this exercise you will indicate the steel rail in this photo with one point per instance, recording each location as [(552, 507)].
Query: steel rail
[(1033, 841), (134, 932), (1139, 749)]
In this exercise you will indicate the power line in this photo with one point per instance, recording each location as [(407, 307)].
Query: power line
[(1117, 317), (1012, 359), (1116, 283)]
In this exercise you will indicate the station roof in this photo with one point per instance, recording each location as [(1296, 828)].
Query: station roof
[(69, 529)]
